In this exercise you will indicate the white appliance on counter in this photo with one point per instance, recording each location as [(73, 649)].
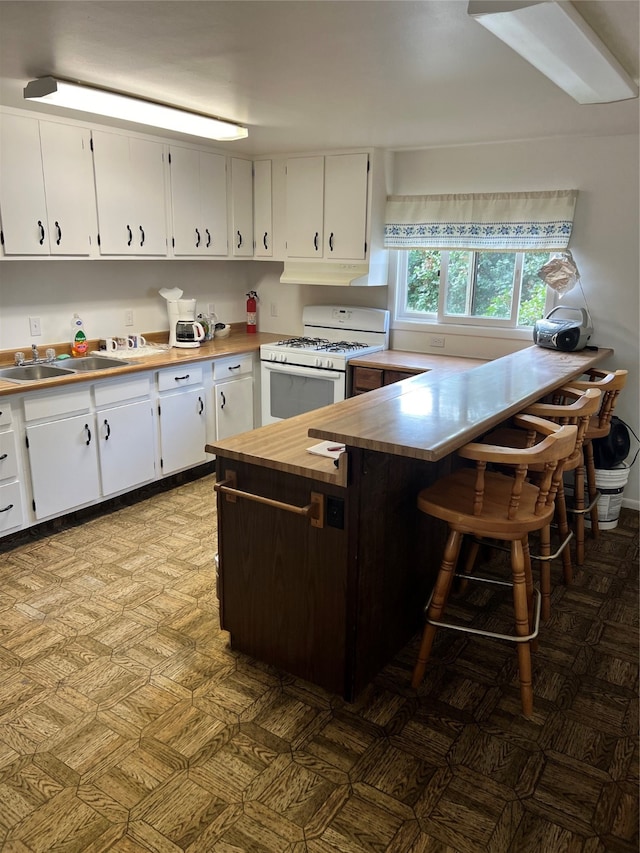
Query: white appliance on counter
[(305, 373)]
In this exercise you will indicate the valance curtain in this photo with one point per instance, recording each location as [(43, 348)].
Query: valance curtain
[(505, 222)]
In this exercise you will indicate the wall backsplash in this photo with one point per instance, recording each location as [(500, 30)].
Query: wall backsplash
[(101, 291)]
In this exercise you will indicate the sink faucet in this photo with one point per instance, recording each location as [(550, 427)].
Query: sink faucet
[(34, 352)]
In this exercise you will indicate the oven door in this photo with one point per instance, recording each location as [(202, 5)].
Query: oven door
[(288, 389)]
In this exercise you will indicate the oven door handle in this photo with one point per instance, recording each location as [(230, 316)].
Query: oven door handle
[(298, 370)]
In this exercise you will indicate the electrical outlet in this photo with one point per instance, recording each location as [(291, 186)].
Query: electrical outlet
[(34, 326), (274, 309), (128, 317), (436, 341)]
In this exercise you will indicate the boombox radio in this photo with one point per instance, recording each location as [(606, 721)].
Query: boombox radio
[(563, 334)]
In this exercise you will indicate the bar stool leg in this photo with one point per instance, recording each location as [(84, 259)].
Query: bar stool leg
[(579, 503), (522, 620), (545, 571), (528, 574), (593, 489), (563, 528), (440, 595)]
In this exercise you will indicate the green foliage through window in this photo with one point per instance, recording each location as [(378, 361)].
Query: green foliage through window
[(477, 284)]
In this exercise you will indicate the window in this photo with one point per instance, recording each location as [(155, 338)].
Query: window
[(499, 289)]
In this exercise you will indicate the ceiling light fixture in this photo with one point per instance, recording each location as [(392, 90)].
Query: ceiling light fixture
[(556, 39), (50, 90)]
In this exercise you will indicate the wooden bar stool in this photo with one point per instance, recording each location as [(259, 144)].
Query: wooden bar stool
[(489, 504), (610, 383), (570, 406), (573, 407)]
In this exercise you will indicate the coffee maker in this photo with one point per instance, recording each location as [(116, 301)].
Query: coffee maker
[(184, 329)]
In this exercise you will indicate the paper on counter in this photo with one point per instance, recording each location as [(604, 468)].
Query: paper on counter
[(330, 449)]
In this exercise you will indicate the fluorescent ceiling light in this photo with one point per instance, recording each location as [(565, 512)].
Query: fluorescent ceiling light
[(556, 39), (49, 90)]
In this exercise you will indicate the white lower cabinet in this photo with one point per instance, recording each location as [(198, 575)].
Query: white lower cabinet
[(69, 447), (183, 418), (11, 495), (126, 434), (63, 457), (233, 395)]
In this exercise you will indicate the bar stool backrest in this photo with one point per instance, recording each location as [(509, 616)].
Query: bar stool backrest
[(571, 406), (548, 456), (610, 383)]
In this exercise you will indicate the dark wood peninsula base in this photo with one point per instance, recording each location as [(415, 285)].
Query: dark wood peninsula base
[(333, 594), (330, 604)]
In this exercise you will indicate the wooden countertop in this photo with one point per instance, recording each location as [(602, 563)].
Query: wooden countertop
[(414, 362), (427, 416), (236, 343)]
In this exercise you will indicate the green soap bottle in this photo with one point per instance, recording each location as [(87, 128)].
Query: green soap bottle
[(79, 345)]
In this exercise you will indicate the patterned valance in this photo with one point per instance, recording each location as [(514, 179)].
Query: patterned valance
[(512, 222)]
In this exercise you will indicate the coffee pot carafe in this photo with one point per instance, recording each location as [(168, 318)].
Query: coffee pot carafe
[(184, 330)]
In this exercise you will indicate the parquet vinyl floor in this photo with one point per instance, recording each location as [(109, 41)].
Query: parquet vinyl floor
[(127, 723)]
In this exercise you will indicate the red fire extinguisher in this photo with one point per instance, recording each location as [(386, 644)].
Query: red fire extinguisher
[(252, 316)]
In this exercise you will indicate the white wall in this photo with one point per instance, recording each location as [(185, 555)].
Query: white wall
[(101, 290)]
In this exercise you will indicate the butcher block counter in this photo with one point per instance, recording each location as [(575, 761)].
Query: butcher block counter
[(425, 417), (237, 342), (324, 571)]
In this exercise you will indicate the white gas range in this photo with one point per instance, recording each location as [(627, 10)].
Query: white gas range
[(305, 373)]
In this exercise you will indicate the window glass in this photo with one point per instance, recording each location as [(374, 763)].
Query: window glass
[(485, 288)]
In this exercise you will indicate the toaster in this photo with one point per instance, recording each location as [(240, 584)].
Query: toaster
[(561, 333)]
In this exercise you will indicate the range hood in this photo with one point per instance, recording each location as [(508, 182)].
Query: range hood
[(335, 274)]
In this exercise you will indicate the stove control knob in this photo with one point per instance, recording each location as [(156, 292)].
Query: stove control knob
[(283, 358), (272, 356), (318, 362), (329, 363)]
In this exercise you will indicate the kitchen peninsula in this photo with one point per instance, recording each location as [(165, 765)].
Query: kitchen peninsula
[(322, 568)]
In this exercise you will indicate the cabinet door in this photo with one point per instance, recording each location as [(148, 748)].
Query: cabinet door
[(64, 464), (305, 202), (242, 208), (8, 455), (345, 206), (234, 407), (198, 202), (129, 176), (262, 210), (182, 429), (10, 507), (126, 446), (22, 199), (69, 188)]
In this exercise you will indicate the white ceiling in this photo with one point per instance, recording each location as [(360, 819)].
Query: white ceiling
[(316, 74)]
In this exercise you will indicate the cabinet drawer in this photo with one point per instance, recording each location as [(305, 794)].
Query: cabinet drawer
[(57, 403), (367, 378), (5, 413), (8, 455), (10, 507), (179, 377), (391, 376), (228, 368), (111, 393)]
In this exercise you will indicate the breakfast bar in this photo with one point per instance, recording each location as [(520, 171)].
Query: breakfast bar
[(322, 567)]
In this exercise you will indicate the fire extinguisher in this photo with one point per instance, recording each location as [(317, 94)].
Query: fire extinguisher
[(252, 316)]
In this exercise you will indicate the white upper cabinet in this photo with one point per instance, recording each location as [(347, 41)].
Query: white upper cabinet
[(262, 209), (241, 208), (198, 202), (130, 190), (47, 197), (345, 206), (305, 207), (327, 206)]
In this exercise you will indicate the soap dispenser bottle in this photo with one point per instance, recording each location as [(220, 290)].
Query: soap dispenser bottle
[(79, 345)]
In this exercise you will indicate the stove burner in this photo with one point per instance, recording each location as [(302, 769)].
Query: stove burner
[(302, 342), (342, 346)]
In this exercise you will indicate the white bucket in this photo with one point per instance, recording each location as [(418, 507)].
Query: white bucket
[(610, 483)]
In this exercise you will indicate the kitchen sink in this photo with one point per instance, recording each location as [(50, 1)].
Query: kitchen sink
[(95, 362), (33, 372)]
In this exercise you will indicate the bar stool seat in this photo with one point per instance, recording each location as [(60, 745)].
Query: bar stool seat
[(490, 504)]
